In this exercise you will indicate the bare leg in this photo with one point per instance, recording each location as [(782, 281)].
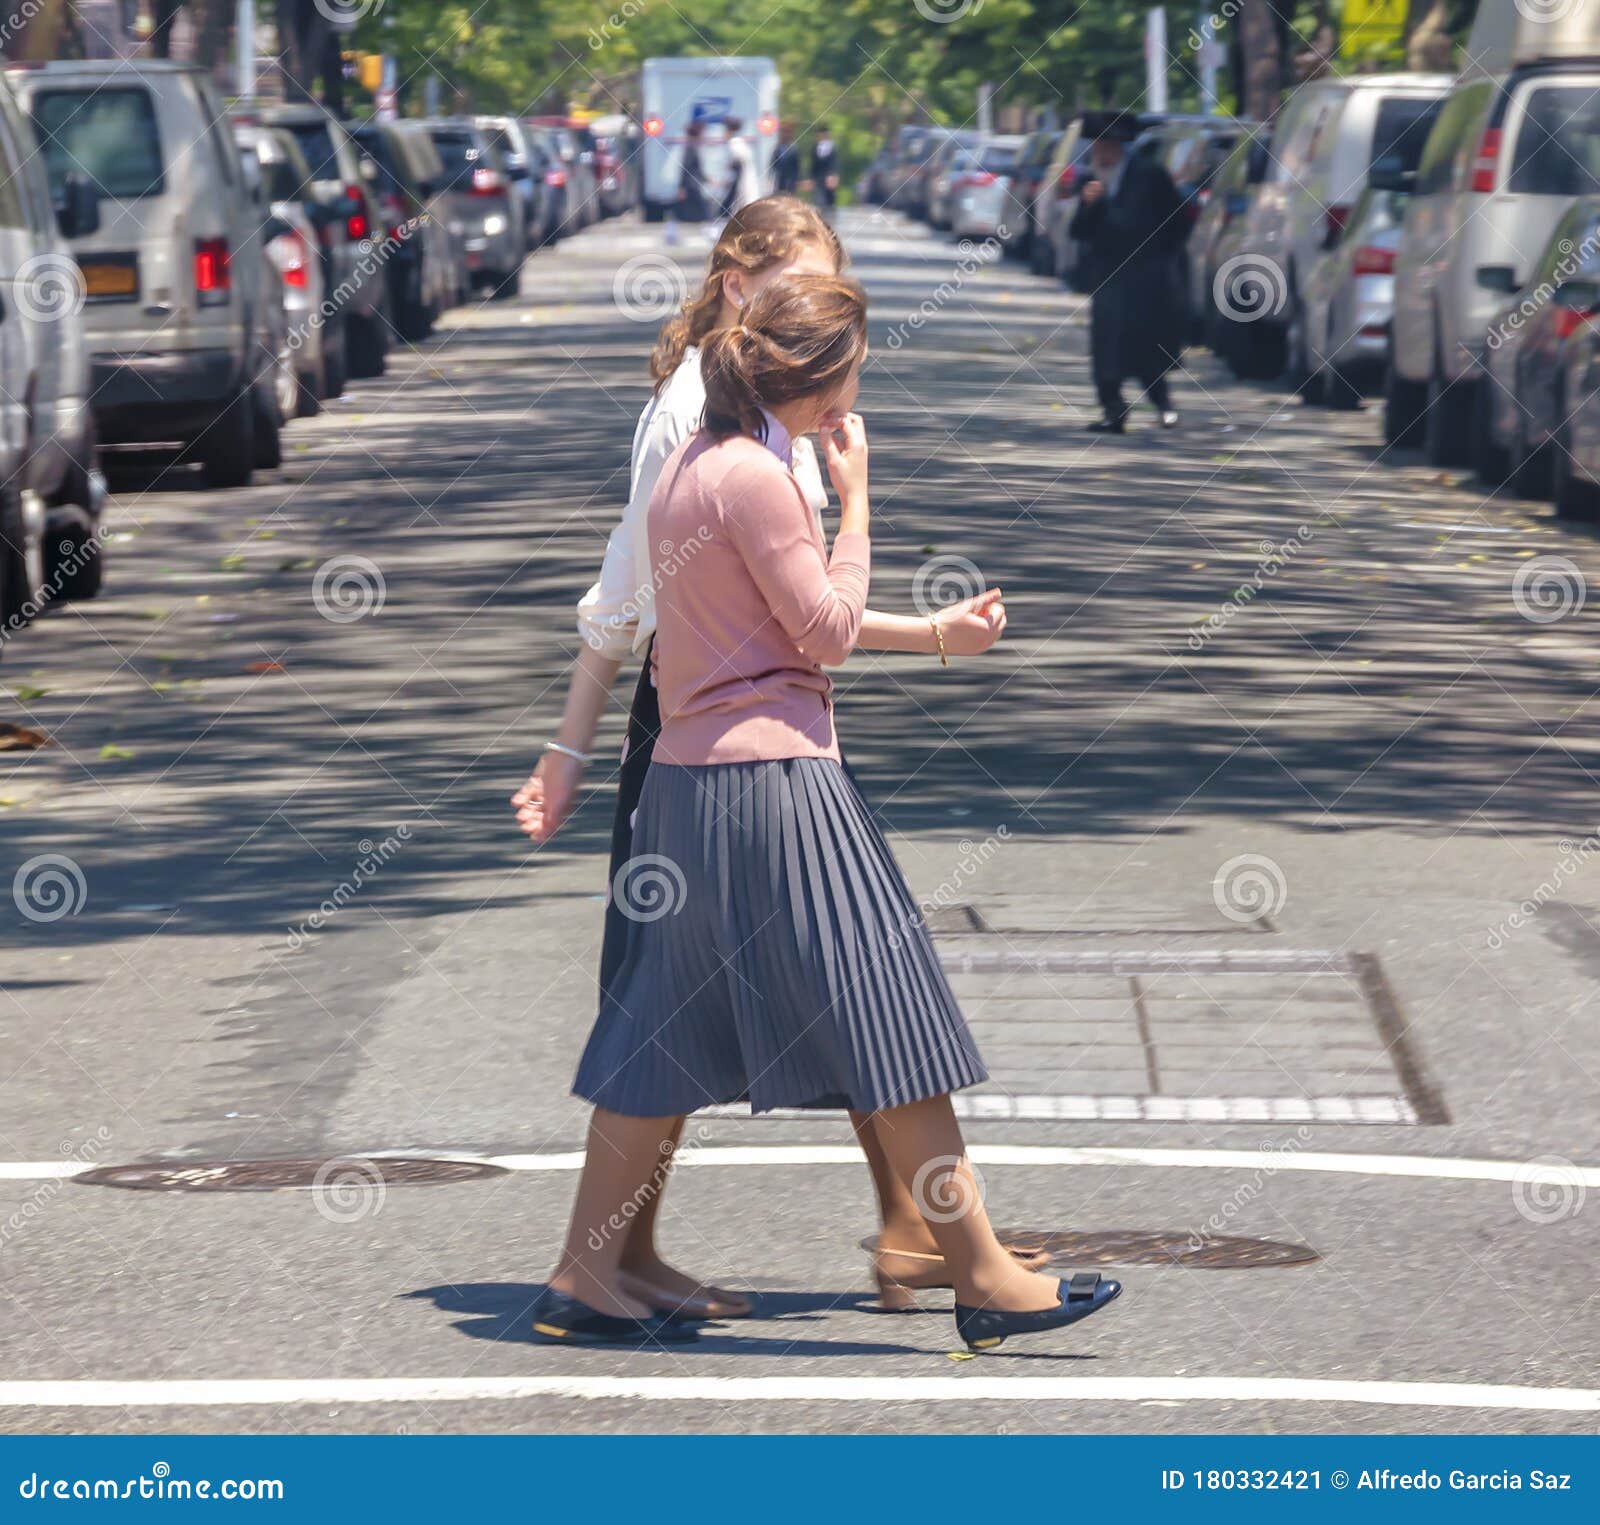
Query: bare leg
[(620, 1163), (903, 1226), (923, 1144)]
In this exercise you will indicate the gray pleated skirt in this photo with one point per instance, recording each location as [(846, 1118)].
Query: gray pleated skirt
[(773, 953)]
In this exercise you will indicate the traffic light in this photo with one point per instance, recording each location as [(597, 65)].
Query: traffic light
[(369, 71)]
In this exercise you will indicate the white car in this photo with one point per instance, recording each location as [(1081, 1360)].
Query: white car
[(172, 273), (1324, 143), (1517, 141), (51, 491)]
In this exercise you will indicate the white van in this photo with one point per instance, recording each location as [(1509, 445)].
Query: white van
[(673, 92), (51, 492), (173, 273), (1517, 140)]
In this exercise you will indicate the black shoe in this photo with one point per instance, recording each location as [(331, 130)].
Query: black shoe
[(1107, 426), (563, 1320), (988, 1328)]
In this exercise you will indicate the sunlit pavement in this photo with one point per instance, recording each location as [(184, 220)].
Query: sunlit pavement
[(1262, 852)]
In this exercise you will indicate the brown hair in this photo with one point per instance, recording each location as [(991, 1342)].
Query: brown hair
[(761, 234), (801, 337)]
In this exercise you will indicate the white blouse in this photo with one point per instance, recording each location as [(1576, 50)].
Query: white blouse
[(618, 614)]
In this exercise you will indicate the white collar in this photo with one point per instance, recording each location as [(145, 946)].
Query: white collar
[(776, 438)]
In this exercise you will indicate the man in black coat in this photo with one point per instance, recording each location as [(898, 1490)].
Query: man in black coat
[(825, 170), (786, 161), (1130, 226)]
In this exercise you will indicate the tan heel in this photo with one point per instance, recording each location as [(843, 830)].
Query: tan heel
[(894, 1296)]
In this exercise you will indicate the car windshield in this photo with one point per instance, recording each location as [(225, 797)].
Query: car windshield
[(1558, 147), (109, 136), (1403, 125), (316, 143)]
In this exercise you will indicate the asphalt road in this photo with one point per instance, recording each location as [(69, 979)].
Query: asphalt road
[(1226, 845)]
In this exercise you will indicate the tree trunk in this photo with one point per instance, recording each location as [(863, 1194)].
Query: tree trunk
[(1429, 45), (1261, 47)]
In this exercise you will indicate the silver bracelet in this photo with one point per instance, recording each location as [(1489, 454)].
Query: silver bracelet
[(566, 751)]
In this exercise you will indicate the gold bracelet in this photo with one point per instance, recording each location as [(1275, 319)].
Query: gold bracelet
[(938, 635)]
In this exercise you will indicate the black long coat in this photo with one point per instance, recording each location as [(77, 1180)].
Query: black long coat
[(1130, 245), (694, 203)]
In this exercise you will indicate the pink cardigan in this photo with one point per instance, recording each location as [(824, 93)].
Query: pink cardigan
[(749, 605)]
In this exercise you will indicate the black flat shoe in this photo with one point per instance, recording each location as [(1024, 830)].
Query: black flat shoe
[(988, 1328), (562, 1320), (1107, 426)]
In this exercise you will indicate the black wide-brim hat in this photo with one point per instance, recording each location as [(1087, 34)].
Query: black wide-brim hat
[(1112, 126)]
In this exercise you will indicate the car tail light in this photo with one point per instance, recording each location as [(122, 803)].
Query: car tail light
[(393, 207), (357, 225), (1369, 259), (487, 182), (653, 126), (1484, 166), (1569, 319), (293, 258), (979, 177), (213, 276), (1333, 221), (1067, 181), (768, 124), (555, 177)]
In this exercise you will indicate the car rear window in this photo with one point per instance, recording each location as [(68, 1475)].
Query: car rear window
[(108, 135), (1558, 146), (316, 143), (1403, 125), (998, 159), (457, 149), (284, 182)]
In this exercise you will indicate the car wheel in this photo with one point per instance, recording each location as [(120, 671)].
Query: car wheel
[(74, 556), (227, 447), (308, 395), (1402, 409), (268, 429), (1531, 476), (1491, 461), (22, 561), (506, 288), (368, 342), (1339, 391), (335, 367), (1304, 376), (1447, 425), (1575, 497)]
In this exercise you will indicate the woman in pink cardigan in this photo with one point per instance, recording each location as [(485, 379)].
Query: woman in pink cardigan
[(786, 961)]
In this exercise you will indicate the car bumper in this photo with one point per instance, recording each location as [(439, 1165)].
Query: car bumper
[(139, 396)]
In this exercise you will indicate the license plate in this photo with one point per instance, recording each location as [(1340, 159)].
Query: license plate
[(110, 278)]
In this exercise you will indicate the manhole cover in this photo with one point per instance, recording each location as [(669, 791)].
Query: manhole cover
[(288, 1175), (1169, 1247)]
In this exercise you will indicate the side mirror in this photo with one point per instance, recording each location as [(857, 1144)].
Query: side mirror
[(77, 207), (1501, 279), (1391, 174)]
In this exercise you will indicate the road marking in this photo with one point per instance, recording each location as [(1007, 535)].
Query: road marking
[(983, 1107), (1417, 1166), (281, 1391)]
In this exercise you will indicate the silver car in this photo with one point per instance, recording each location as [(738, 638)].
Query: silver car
[(978, 188)]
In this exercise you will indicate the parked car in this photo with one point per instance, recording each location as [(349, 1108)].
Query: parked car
[(1219, 232), (357, 287), (513, 142), (1022, 188), (51, 490), (172, 310), (1507, 156), (1192, 149), (955, 149), (1056, 199), (1324, 143), (404, 176), (912, 146), (875, 179), (616, 163), (447, 258), (577, 160), (1538, 349), (482, 203), (977, 195)]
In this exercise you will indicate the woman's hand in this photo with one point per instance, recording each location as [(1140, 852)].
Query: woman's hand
[(545, 801), (971, 627), (844, 443)]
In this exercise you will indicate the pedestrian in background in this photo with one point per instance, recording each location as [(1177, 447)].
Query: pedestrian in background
[(794, 969), (1130, 227), (744, 181), (825, 171), (772, 237), (693, 204), (786, 162)]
